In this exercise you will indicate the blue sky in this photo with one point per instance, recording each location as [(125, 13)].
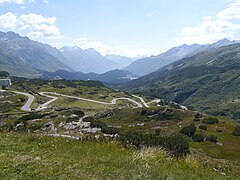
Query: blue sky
[(124, 27)]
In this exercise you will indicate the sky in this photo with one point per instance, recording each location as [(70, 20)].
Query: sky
[(133, 28)]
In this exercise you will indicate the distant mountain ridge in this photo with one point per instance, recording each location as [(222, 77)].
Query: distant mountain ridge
[(87, 60), (209, 82), (21, 56), (113, 76), (148, 65), (122, 61)]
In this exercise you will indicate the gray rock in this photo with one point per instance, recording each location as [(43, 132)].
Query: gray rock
[(20, 126), (53, 129), (74, 116), (61, 124), (91, 130)]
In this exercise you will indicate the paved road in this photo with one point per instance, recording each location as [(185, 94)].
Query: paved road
[(142, 100), (26, 106), (44, 106), (114, 101), (154, 101), (139, 105)]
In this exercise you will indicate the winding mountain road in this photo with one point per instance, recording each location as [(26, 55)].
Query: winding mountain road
[(142, 100), (154, 101), (114, 101), (26, 106), (44, 106)]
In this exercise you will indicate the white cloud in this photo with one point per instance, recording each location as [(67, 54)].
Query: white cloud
[(44, 31), (224, 24), (8, 20), (15, 1), (46, 1), (12, 1), (35, 25), (233, 12), (123, 50), (36, 19)]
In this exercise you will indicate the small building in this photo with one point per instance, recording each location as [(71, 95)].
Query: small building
[(5, 83)]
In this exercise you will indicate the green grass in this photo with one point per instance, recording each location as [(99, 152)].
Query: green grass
[(24, 156), (31, 156), (11, 102), (123, 119), (88, 107), (90, 92), (39, 100)]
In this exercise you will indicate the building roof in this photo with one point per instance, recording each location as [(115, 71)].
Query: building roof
[(5, 82)]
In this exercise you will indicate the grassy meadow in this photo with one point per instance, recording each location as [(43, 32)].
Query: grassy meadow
[(28, 156)]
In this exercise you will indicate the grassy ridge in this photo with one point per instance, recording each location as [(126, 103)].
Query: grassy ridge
[(24, 156), (207, 82)]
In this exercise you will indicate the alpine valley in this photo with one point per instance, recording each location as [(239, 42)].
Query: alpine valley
[(75, 113)]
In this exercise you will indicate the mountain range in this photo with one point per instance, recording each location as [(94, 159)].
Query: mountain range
[(208, 81), (21, 56), (112, 77), (122, 61), (148, 65), (87, 60)]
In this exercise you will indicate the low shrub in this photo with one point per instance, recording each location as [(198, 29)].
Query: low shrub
[(167, 116), (188, 130), (212, 138), (198, 138), (69, 120), (198, 115), (105, 129), (22, 99), (78, 112), (143, 112), (88, 119), (236, 132), (177, 145), (203, 127), (210, 121), (35, 127), (32, 116), (28, 117)]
